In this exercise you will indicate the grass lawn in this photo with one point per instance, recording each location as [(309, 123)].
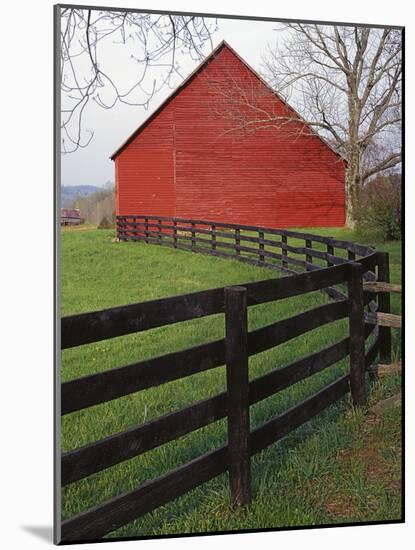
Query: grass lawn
[(308, 478)]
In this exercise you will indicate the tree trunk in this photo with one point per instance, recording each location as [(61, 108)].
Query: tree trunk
[(352, 193), (353, 178)]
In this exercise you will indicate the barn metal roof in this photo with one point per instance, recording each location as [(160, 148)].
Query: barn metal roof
[(70, 212), (187, 81)]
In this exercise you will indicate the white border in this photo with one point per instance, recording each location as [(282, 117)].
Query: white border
[(27, 274)]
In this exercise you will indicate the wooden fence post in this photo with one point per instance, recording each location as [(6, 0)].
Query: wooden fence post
[(330, 250), (135, 229), (357, 334), (193, 236), (159, 231), (146, 229), (384, 302), (261, 246), (351, 256), (238, 394), (175, 233), (308, 258), (237, 241), (121, 230), (213, 237), (284, 250)]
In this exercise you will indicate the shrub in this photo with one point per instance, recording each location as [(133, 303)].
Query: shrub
[(379, 213), (105, 223)]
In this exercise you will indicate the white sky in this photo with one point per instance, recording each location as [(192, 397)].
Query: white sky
[(92, 166)]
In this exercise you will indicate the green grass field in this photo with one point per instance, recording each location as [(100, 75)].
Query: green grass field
[(296, 481)]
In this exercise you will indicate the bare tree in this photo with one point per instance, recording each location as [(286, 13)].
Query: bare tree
[(150, 42), (97, 205), (345, 83)]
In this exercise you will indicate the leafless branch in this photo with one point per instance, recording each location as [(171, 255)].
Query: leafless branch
[(344, 83), (145, 43)]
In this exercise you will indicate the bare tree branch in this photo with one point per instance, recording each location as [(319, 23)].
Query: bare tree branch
[(345, 84), (385, 164), (149, 43)]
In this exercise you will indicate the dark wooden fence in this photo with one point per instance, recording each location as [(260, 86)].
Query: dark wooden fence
[(258, 243), (233, 352)]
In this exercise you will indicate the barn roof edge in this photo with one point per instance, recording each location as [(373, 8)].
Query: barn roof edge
[(169, 97), (192, 75)]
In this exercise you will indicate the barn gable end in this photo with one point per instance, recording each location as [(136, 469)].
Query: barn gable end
[(190, 160)]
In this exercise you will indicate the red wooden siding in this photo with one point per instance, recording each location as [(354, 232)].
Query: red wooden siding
[(184, 162), (145, 171)]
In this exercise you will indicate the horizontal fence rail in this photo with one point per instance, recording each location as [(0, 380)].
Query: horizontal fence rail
[(180, 231), (341, 277), (104, 518), (268, 247), (114, 449), (91, 327)]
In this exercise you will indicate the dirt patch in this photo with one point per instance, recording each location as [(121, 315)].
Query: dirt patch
[(368, 474), (342, 506)]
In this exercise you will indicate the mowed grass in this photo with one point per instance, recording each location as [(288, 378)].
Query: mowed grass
[(287, 477)]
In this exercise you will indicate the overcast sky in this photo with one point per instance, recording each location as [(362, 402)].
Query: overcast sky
[(92, 166)]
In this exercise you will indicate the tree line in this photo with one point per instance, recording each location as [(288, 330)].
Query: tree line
[(97, 206)]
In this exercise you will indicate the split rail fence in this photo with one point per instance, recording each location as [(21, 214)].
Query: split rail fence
[(232, 352)]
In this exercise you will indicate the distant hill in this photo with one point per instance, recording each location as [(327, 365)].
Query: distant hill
[(69, 193)]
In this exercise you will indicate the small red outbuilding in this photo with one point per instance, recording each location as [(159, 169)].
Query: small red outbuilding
[(212, 151)]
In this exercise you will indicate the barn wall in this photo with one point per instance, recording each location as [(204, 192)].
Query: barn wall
[(145, 171), (191, 162)]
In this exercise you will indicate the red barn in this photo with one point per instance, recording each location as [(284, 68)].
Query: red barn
[(213, 151), (71, 216)]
